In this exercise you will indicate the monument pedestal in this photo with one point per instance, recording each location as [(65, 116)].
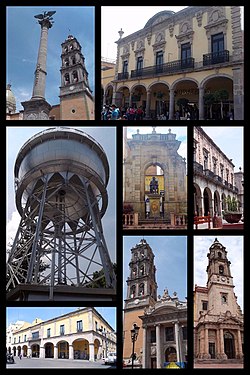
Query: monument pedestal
[(36, 109), (154, 204)]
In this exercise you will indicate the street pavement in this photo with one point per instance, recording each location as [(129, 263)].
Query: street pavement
[(55, 363), (218, 365)]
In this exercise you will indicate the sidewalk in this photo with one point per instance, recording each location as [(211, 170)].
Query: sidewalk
[(225, 224)]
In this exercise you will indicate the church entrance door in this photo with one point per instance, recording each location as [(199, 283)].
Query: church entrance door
[(229, 345), (212, 349)]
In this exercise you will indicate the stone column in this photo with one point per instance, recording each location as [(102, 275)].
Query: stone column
[(91, 352), (130, 99), (206, 344), (202, 205), (144, 353), (99, 354), (158, 346), (218, 348), (40, 72), (71, 352), (171, 104), (177, 340), (240, 354), (42, 352), (29, 351), (148, 102), (223, 355), (55, 352), (201, 103)]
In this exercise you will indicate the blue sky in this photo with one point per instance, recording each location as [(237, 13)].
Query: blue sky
[(170, 261), (230, 140), (29, 314), (23, 35), (105, 136)]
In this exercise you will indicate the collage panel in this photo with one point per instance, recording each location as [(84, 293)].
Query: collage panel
[(154, 178), (54, 49), (61, 232), (218, 302), (218, 177), (155, 308), (61, 337), (172, 63)]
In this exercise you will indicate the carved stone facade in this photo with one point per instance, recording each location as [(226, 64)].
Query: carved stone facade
[(160, 150), (218, 319)]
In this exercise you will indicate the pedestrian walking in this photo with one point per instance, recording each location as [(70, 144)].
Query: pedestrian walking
[(20, 356)]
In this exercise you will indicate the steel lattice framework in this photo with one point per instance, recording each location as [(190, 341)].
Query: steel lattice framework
[(60, 239)]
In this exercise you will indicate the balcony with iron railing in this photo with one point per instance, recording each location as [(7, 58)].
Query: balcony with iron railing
[(168, 68), (216, 58)]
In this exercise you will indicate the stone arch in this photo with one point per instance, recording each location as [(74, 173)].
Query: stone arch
[(49, 350), (223, 204), (108, 94), (14, 351), (179, 80), (197, 200), (81, 348), (157, 82), (217, 203), (221, 75), (18, 350), (35, 350), (229, 345), (25, 350), (63, 349), (207, 199), (97, 345)]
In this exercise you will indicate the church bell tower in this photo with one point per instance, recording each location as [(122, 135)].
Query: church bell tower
[(220, 285), (141, 293), (76, 100)]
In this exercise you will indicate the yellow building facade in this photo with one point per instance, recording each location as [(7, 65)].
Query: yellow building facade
[(189, 61), (81, 334)]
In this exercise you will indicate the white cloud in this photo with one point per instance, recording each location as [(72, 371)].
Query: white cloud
[(12, 226)]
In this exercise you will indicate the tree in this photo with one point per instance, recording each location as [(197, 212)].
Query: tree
[(182, 103), (209, 100), (99, 278), (220, 96)]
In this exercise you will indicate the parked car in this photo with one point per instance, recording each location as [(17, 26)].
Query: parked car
[(110, 359)]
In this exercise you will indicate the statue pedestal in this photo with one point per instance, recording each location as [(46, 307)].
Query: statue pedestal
[(36, 109), (154, 204)]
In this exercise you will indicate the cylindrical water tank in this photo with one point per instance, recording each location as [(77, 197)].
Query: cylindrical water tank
[(68, 158)]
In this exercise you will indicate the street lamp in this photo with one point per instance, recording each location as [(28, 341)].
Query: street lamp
[(134, 335)]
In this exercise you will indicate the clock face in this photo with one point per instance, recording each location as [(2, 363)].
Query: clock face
[(136, 301), (72, 88), (223, 278)]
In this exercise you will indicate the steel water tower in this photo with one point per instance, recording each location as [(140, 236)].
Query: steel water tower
[(59, 251)]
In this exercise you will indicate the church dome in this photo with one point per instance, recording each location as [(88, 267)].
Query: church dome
[(159, 17), (10, 100)]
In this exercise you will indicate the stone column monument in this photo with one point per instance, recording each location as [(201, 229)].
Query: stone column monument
[(37, 108)]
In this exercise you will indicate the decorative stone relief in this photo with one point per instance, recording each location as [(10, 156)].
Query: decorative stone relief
[(159, 41), (149, 37), (199, 16), (171, 30), (133, 45)]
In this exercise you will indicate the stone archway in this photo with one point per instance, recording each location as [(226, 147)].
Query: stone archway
[(35, 350), (49, 350), (229, 345), (81, 349), (170, 354), (63, 349), (217, 205), (197, 200), (207, 198), (25, 350)]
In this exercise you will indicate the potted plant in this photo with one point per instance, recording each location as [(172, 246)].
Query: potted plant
[(231, 213)]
